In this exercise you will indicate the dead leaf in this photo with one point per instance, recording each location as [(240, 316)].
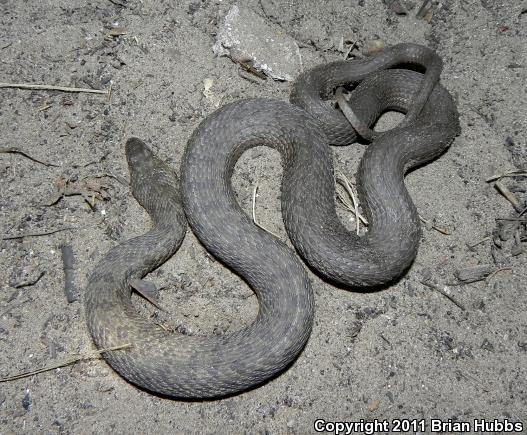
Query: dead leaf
[(117, 31), (373, 406)]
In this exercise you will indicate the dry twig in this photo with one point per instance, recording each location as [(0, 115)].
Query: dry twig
[(433, 226), (52, 88), (37, 234), (69, 277), (15, 150), (501, 269), (445, 294)]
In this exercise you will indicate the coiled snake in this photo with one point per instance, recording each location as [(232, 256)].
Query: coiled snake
[(212, 366)]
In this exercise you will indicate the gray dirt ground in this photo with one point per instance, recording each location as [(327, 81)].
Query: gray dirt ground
[(406, 351)]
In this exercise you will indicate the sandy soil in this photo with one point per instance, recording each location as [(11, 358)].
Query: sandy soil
[(404, 352)]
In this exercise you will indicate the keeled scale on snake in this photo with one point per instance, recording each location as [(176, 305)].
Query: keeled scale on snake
[(212, 366)]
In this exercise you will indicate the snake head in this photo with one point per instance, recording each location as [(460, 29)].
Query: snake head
[(139, 156), (154, 184), (145, 168)]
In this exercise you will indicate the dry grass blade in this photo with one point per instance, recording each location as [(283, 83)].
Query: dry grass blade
[(300, 60), (52, 88), (66, 362), (483, 240), (511, 173), (350, 49), (255, 194), (354, 205), (15, 150), (509, 196), (45, 107), (501, 269), (434, 227), (345, 200)]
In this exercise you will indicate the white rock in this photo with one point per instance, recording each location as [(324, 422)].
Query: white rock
[(265, 46)]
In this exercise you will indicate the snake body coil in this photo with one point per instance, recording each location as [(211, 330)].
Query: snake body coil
[(199, 367)]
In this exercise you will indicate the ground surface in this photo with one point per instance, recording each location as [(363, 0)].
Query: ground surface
[(406, 351)]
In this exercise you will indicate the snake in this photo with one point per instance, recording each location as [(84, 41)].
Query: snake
[(312, 87), (203, 367)]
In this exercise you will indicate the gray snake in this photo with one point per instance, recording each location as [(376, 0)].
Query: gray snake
[(212, 366)]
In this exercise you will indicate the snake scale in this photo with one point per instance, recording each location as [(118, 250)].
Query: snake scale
[(212, 366)]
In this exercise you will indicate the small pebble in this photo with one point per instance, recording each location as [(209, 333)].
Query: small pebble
[(373, 47), (373, 406), (26, 401), (487, 345), (517, 249)]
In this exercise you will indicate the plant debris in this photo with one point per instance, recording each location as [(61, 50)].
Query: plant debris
[(425, 12), (30, 282), (396, 7), (15, 150), (474, 273), (255, 195), (509, 196), (443, 291), (510, 233), (117, 31), (90, 188), (36, 234), (69, 275), (374, 405), (344, 198), (430, 225), (53, 88), (87, 356)]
